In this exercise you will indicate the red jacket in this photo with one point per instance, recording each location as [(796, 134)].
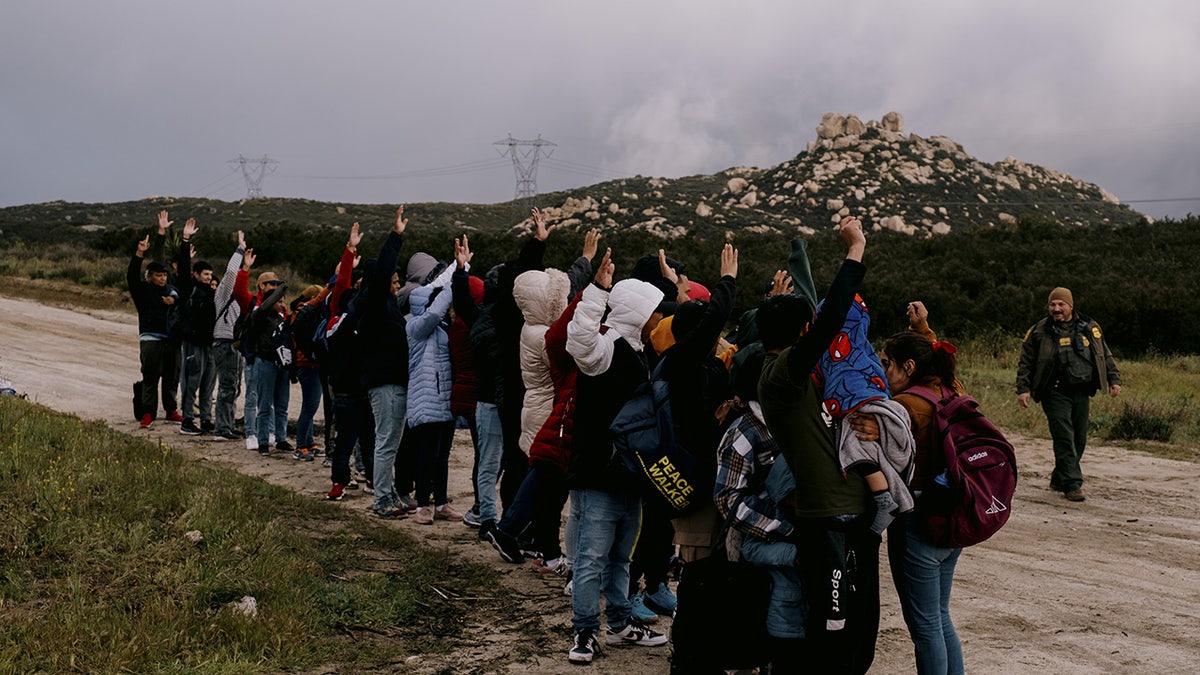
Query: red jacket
[(552, 445), (462, 393)]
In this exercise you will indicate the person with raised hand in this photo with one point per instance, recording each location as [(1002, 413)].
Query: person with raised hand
[(232, 297), (153, 297)]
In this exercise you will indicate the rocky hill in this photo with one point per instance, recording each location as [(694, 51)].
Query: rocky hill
[(892, 180)]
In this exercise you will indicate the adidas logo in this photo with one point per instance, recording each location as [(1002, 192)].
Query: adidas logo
[(996, 507)]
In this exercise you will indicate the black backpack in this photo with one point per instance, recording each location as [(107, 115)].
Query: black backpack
[(305, 323), (242, 338)]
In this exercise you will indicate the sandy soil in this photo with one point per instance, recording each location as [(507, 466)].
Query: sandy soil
[(1111, 585)]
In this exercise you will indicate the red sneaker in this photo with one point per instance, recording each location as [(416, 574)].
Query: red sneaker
[(146, 420), (174, 416)]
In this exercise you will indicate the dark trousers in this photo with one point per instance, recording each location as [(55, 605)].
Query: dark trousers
[(535, 514), (514, 462), (198, 378), (227, 363), (353, 424), (431, 443), (655, 545), (1067, 414), (160, 366)]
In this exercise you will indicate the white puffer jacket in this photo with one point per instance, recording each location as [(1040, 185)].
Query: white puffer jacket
[(541, 296)]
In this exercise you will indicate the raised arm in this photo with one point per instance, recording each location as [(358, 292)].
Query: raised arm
[(592, 354), (580, 271)]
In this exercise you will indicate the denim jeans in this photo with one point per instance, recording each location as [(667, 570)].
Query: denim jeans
[(1067, 415), (310, 400), (787, 610), (274, 389), (608, 528), (389, 405), (229, 383), (536, 512), (923, 574), (197, 382), (491, 449), (250, 405)]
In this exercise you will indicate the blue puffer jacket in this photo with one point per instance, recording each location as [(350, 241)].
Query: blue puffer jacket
[(430, 379)]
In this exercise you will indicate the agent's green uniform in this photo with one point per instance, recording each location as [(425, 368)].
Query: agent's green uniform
[(1063, 364)]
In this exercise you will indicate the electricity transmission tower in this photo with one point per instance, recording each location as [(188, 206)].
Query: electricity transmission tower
[(254, 170), (525, 156)]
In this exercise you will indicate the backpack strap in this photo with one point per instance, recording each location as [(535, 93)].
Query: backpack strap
[(934, 397)]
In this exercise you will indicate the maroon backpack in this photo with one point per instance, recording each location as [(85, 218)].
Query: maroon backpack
[(981, 474)]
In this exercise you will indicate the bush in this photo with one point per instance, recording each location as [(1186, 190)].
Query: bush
[(1145, 421)]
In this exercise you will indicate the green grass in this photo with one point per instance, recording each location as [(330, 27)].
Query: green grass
[(97, 576), (1158, 400)]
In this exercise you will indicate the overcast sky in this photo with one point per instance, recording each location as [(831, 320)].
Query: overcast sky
[(392, 101)]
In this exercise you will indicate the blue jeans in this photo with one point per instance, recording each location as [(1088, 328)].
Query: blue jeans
[(310, 400), (923, 574), (787, 610), (274, 389), (491, 449), (389, 405), (608, 529)]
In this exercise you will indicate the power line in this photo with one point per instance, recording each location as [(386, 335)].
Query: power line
[(525, 162), (254, 176), (452, 170)]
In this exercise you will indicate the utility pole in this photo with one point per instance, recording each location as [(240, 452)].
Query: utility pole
[(525, 156), (253, 170)]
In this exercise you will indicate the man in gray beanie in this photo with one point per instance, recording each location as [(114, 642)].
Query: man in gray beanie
[(1064, 362)]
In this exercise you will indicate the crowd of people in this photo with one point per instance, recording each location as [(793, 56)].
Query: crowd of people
[(537, 363)]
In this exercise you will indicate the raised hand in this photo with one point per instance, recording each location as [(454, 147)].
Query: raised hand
[(248, 259), (357, 260), (729, 261), (163, 223), (666, 270), (462, 252), (781, 284), (190, 229), (355, 237), (401, 221), (605, 270), (591, 244), (241, 239), (540, 231), (918, 316), (143, 246), (852, 233), (192, 251)]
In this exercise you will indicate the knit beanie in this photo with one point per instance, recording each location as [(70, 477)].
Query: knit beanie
[(1063, 294)]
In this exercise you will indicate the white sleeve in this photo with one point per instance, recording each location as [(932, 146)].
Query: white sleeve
[(592, 353), (442, 280)]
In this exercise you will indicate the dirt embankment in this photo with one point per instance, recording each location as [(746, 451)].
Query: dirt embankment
[(1111, 585)]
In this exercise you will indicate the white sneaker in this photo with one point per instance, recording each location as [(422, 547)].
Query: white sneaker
[(635, 634), (251, 443), (271, 439)]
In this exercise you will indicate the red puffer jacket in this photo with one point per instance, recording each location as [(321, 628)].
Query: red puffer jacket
[(462, 393), (552, 445)]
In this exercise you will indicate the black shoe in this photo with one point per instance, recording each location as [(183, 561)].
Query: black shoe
[(486, 526), (207, 427), (505, 545), (585, 647), (188, 429), (226, 436), (284, 446)]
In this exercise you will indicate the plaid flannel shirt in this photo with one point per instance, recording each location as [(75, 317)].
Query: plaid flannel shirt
[(744, 458)]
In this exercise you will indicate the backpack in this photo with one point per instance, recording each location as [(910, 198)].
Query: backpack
[(282, 342), (981, 474), (305, 323), (242, 339), (645, 444)]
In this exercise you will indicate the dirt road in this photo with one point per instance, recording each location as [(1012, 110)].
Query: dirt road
[(1111, 585)]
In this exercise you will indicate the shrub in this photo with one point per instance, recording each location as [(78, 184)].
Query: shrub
[(1145, 421)]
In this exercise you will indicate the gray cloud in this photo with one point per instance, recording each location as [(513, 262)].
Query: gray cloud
[(122, 100)]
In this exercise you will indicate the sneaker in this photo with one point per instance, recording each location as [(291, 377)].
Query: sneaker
[(146, 420), (271, 439), (506, 546), (302, 455), (328, 462), (251, 443), (634, 634), (174, 416), (284, 446), (557, 566), (369, 488), (352, 485), (661, 601), (225, 436), (1075, 495), (639, 611), (485, 527), (316, 451), (336, 492), (397, 511), (424, 515), (569, 588), (189, 429), (408, 501), (471, 517), (446, 512), (264, 451), (585, 648), (207, 427)]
